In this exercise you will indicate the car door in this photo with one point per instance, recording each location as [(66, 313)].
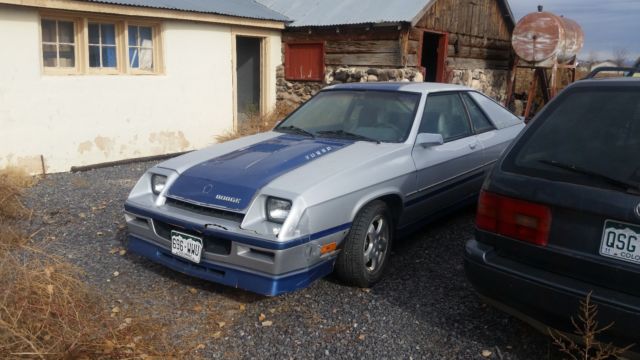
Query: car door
[(446, 174)]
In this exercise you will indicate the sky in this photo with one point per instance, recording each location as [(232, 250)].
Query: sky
[(607, 24)]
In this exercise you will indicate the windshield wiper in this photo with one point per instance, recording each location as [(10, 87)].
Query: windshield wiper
[(348, 135), (295, 130), (624, 185)]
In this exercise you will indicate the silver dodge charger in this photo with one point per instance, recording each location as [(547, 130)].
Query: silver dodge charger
[(326, 190)]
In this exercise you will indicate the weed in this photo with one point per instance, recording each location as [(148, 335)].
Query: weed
[(587, 329)]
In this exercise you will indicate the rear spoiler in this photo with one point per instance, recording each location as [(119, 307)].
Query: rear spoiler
[(629, 71)]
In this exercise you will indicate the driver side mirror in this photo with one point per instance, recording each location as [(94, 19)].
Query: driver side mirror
[(429, 139)]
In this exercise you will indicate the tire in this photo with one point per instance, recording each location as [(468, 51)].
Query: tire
[(367, 247)]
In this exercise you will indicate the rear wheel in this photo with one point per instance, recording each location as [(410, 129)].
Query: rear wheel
[(366, 249)]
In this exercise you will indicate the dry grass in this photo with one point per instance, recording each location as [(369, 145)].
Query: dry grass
[(587, 330), (46, 310), (12, 183), (256, 123)]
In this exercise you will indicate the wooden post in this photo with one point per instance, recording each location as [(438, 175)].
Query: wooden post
[(530, 97), (512, 82)]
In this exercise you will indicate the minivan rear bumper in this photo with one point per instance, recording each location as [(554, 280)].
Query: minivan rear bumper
[(546, 299)]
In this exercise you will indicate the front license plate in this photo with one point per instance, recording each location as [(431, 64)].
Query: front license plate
[(621, 241), (186, 246)]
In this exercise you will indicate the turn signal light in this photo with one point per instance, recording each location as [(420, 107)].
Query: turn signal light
[(330, 247), (514, 218)]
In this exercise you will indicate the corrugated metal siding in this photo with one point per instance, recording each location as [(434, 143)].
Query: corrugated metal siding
[(345, 12), (240, 8)]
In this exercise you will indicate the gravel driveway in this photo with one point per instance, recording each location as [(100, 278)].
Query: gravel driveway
[(423, 308)]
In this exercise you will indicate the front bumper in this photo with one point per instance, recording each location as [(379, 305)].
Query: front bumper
[(238, 258), (546, 299)]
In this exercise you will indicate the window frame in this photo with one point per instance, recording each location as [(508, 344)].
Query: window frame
[(81, 48), (77, 34), (156, 43), (287, 60), (464, 107), (119, 69)]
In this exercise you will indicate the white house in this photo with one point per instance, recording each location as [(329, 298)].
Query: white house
[(88, 81)]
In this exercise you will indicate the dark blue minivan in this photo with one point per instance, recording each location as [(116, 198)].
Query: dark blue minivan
[(559, 216)]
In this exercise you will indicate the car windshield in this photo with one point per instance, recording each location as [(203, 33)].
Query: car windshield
[(379, 116), (589, 136)]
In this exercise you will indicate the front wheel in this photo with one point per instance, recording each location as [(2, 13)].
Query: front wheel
[(367, 247)]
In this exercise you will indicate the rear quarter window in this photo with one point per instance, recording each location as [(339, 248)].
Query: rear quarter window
[(498, 115)]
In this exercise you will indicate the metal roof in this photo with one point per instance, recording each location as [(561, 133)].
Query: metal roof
[(240, 8), (346, 12), (350, 12)]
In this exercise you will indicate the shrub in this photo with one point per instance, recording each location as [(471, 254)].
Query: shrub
[(256, 123), (46, 309)]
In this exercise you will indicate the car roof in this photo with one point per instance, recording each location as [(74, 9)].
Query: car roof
[(423, 87), (609, 81)]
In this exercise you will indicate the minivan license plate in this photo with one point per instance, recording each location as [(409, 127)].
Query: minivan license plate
[(186, 246), (621, 241)]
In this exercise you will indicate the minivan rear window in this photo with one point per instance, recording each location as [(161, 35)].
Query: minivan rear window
[(589, 135)]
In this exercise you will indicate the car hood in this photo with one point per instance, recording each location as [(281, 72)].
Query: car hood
[(232, 179)]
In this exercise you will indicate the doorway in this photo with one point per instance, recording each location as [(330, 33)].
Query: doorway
[(434, 54), (248, 76)]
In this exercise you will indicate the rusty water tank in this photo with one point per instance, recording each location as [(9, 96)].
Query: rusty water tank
[(543, 37)]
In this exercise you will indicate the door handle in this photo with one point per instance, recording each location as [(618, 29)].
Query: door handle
[(473, 145)]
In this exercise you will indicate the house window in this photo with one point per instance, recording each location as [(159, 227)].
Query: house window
[(84, 44), (102, 46), (141, 47), (304, 62), (58, 43)]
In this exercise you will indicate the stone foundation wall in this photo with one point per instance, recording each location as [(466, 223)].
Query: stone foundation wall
[(491, 82), (297, 92)]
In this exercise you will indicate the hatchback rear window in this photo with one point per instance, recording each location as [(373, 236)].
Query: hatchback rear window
[(589, 136)]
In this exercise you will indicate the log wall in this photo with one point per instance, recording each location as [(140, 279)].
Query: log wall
[(478, 53)]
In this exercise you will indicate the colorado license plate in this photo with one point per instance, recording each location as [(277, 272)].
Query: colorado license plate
[(186, 246), (621, 241)]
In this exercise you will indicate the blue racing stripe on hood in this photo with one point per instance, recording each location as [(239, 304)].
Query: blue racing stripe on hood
[(230, 181)]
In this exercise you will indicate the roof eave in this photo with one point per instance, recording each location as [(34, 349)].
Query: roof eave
[(160, 13)]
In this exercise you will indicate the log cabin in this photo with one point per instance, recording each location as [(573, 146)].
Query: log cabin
[(333, 41)]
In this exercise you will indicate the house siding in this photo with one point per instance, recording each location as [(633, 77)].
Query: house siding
[(74, 120)]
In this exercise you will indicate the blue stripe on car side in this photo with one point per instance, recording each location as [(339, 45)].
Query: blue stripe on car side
[(447, 187), (244, 239), (230, 181), (330, 231), (258, 283)]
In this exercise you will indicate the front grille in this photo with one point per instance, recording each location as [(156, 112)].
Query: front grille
[(203, 210), (211, 244)]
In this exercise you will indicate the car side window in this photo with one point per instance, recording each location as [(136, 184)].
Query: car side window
[(445, 114), (479, 120), (500, 116)]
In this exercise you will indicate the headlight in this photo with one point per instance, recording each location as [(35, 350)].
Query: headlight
[(278, 209), (157, 183)]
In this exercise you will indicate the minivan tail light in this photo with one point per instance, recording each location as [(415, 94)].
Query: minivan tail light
[(514, 218)]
